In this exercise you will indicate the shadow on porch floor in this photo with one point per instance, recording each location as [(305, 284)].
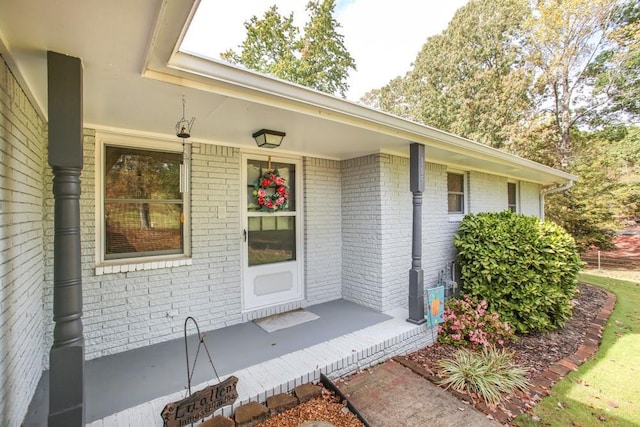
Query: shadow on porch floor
[(136, 384)]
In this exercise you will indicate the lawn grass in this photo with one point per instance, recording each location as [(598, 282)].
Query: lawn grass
[(606, 389)]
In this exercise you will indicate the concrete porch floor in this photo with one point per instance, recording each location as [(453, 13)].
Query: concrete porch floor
[(132, 388)]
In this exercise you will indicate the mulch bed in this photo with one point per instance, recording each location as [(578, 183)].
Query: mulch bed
[(325, 408), (548, 356)]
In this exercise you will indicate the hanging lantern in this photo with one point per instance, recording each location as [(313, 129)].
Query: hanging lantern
[(183, 127)]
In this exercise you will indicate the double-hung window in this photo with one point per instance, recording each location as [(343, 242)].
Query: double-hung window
[(144, 204), (512, 196), (455, 193)]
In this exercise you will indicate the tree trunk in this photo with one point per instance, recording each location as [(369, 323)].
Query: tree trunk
[(564, 147)]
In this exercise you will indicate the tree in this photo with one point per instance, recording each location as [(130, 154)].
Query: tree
[(624, 55), (318, 59), (325, 61), (586, 209), (565, 38), (269, 46), (608, 164), (470, 79)]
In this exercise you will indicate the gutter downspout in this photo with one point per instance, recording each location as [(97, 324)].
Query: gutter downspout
[(546, 191)]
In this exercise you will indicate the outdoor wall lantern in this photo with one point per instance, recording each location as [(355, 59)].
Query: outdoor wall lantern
[(183, 127), (268, 138)]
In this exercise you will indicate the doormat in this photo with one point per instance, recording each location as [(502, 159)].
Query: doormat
[(285, 320)]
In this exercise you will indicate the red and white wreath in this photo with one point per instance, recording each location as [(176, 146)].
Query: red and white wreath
[(271, 192)]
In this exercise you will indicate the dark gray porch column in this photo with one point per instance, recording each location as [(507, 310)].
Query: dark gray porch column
[(66, 374), (416, 275)]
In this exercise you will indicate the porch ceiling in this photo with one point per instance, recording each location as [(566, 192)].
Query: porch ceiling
[(134, 79)]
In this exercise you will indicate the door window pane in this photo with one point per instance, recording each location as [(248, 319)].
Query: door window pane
[(271, 239), (256, 169)]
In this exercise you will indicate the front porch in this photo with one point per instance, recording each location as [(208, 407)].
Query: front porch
[(132, 388)]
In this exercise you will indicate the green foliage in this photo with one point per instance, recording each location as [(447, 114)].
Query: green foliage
[(565, 41), (467, 323), (608, 164), (617, 69), (325, 61), (525, 268), (468, 80), (318, 59), (269, 46), (488, 373)]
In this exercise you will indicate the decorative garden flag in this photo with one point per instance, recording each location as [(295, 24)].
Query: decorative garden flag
[(434, 305)]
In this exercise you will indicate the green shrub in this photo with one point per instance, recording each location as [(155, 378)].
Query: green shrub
[(489, 373), (467, 323), (525, 268)]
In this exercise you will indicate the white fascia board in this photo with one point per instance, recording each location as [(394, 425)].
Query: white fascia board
[(255, 87)]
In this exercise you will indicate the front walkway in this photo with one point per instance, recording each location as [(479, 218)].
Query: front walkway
[(132, 388), (409, 400)]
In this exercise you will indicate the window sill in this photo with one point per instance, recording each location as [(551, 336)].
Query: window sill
[(125, 266), (456, 217)]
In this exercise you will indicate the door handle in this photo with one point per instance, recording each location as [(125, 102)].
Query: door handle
[(244, 234)]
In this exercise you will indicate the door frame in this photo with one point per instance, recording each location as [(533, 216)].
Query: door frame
[(299, 223)]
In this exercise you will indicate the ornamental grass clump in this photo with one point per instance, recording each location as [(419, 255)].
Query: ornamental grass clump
[(488, 374), (469, 323)]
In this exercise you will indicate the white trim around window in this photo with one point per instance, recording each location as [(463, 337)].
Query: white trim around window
[(146, 262)]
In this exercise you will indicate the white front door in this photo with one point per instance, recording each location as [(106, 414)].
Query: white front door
[(272, 233)]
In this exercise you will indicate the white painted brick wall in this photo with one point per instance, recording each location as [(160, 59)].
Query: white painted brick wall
[(123, 311), (396, 229), (529, 198), (361, 231), (487, 193), (323, 229), (437, 229), (22, 160)]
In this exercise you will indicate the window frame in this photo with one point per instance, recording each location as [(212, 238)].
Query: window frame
[(458, 216), (106, 265)]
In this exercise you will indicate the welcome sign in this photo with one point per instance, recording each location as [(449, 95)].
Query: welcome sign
[(200, 404)]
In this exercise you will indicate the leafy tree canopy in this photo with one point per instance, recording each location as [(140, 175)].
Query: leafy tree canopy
[(318, 58), (470, 79), (564, 41)]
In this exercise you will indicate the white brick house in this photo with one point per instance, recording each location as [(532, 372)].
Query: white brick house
[(352, 224)]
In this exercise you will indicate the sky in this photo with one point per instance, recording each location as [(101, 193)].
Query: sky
[(383, 36)]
